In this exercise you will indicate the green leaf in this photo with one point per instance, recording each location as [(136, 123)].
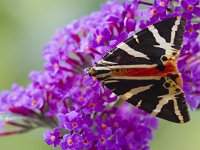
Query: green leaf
[(9, 117)]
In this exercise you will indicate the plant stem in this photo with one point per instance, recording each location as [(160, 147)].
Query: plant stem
[(171, 5), (17, 124), (145, 3), (150, 4), (12, 132)]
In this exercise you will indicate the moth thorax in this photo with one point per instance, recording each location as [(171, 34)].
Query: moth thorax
[(99, 72)]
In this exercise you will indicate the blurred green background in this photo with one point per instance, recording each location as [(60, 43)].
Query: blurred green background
[(25, 27)]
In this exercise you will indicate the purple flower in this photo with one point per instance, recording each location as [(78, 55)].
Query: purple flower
[(95, 104), (187, 65), (192, 31), (191, 7), (74, 121), (100, 36), (103, 139), (35, 98), (87, 139), (70, 142), (162, 4), (52, 137)]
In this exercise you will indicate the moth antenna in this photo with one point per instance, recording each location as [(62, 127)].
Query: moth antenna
[(65, 96)]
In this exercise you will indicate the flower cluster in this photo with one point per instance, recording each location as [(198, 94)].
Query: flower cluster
[(82, 113)]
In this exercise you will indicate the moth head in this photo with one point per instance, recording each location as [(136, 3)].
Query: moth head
[(99, 72), (91, 71)]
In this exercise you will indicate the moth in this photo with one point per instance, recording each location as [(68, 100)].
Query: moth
[(143, 70)]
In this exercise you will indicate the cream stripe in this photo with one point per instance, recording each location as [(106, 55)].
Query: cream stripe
[(135, 91), (131, 51), (177, 111), (124, 67), (109, 81), (160, 105), (174, 29), (106, 62), (160, 40), (136, 38), (156, 35), (102, 68), (132, 66)]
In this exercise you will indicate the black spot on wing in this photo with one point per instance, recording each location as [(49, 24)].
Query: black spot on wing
[(173, 76)]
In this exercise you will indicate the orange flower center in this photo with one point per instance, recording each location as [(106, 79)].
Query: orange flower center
[(99, 38), (34, 102), (69, 142), (91, 105), (154, 12), (53, 138), (104, 126), (190, 7), (191, 30), (74, 124), (162, 4), (80, 98), (85, 141), (102, 139)]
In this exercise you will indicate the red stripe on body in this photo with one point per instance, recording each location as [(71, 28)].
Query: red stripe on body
[(169, 68)]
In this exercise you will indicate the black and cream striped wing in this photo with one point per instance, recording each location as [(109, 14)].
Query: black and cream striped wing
[(151, 46), (160, 96), (142, 70)]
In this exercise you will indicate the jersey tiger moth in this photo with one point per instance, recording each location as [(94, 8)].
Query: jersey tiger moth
[(143, 70)]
